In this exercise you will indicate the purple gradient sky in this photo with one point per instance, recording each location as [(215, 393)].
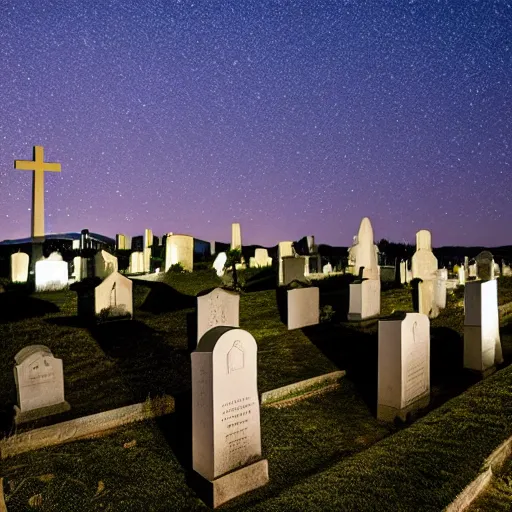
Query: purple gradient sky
[(292, 118)]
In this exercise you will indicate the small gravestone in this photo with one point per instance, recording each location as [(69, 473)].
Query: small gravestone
[(364, 252), (404, 365), (472, 270), (217, 308), (327, 268), (219, 263), (19, 267), (51, 273), (485, 266), (261, 259), (104, 264), (424, 263), (507, 272), (497, 271), (440, 288), (293, 269), (284, 249), (462, 276), (303, 307), (236, 236), (226, 436), (364, 299), (403, 272), (39, 383), (426, 291), (482, 345), (136, 263)]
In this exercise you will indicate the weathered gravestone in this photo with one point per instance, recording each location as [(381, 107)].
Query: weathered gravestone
[(507, 271), (217, 308), (364, 298), (482, 345), (293, 269), (112, 299), (39, 383), (51, 273), (261, 259), (485, 266), (497, 271), (236, 236), (219, 263), (425, 292), (440, 288), (303, 307), (424, 263), (226, 437), (283, 249), (19, 267), (136, 262), (179, 249), (404, 365), (462, 276), (104, 264), (327, 268)]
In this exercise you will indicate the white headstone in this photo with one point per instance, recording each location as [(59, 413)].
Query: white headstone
[(80, 268), (364, 299), (121, 242), (219, 263), (19, 267), (303, 307), (462, 276), (148, 238), (226, 437), (51, 273), (104, 264), (217, 308), (113, 297), (136, 263), (424, 263), (327, 268), (236, 236), (403, 272), (364, 253), (261, 259), (472, 270), (179, 249), (427, 304), (497, 271), (283, 249), (404, 366), (212, 248), (482, 345), (39, 383), (440, 288), (507, 272)]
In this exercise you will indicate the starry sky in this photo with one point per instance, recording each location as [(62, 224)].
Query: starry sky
[(291, 117)]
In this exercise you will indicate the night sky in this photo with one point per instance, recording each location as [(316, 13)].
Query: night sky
[(292, 118)]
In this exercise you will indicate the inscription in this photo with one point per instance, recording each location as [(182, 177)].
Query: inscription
[(217, 315), (40, 371), (415, 377), (236, 415)]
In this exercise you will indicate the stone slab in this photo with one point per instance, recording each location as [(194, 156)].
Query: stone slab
[(34, 414), (303, 307)]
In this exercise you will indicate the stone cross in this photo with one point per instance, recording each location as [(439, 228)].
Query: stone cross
[(39, 166)]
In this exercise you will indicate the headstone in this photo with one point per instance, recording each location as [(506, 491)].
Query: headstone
[(303, 307), (104, 264), (403, 272), (427, 304), (364, 299), (236, 236), (293, 269), (261, 259), (39, 383), (226, 437), (283, 249), (219, 263), (136, 263), (497, 271), (364, 253), (482, 345), (352, 255), (121, 242), (424, 263), (51, 273), (404, 366), (485, 266), (408, 276), (113, 298), (219, 308), (507, 272), (212, 248), (327, 269), (179, 249), (80, 268), (75, 245), (148, 242), (19, 267), (462, 276), (440, 288), (472, 270)]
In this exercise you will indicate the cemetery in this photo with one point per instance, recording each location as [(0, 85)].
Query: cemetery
[(299, 381)]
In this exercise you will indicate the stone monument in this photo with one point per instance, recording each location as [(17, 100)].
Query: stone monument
[(261, 259), (236, 236), (218, 308), (179, 249), (303, 307), (51, 273), (283, 249), (485, 266), (226, 437), (19, 267)]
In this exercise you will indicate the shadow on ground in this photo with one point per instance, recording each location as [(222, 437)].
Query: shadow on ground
[(162, 298), (16, 306)]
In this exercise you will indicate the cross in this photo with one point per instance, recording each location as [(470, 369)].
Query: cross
[(39, 166)]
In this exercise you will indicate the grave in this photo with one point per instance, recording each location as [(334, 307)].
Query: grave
[(80, 266), (403, 272), (404, 365), (507, 272), (426, 291), (236, 236), (19, 267), (179, 249), (218, 308), (303, 307), (39, 383), (226, 436), (424, 263), (51, 273), (283, 249), (462, 276), (440, 288), (136, 263), (122, 242), (472, 270), (485, 266), (293, 269), (147, 243), (327, 269), (104, 264), (364, 252), (219, 263), (364, 299), (482, 345), (261, 259)]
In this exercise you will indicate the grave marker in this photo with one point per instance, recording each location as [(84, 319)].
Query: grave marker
[(217, 308), (19, 267)]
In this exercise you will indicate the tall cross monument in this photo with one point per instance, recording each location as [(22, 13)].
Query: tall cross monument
[(39, 166)]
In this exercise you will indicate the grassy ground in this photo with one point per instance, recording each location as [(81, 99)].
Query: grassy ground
[(498, 496)]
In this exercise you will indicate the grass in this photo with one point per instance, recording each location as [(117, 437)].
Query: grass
[(498, 496)]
